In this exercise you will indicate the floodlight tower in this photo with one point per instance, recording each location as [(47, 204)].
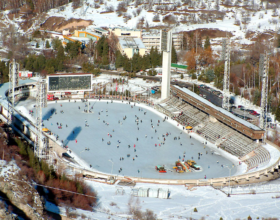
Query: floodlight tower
[(263, 71), (226, 56), (41, 144), (13, 82), (166, 47)]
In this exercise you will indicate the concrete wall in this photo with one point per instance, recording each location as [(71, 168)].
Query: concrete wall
[(257, 176)]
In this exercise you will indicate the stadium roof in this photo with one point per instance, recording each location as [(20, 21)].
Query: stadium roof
[(5, 86), (223, 111)]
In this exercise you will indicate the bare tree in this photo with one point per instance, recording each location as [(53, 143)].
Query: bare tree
[(156, 18), (138, 11), (113, 42)]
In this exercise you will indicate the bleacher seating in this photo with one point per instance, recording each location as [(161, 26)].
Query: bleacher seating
[(216, 132), (261, 156)]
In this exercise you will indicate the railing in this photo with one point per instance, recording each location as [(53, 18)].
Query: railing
[(221, 180)]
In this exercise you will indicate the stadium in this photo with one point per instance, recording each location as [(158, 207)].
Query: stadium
[(112, 136)]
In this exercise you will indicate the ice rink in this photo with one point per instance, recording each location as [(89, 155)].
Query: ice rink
[(107, 120)]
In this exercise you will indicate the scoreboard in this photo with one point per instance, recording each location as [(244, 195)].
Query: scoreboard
[(69, 83)]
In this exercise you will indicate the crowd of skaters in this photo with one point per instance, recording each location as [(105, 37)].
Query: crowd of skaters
[(154, 124), (138, 121)]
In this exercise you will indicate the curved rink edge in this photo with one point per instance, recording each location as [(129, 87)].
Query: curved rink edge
[(148, 156)]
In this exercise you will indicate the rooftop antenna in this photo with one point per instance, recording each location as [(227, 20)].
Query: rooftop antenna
[(226, 58)]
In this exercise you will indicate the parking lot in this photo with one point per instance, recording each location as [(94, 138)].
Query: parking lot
[(216, 97)]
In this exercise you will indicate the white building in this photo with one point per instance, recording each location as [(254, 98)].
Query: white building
[(152, 39), (131, 45)]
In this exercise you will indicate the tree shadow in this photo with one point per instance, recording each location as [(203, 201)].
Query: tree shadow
[(49, 113), (73, 135)]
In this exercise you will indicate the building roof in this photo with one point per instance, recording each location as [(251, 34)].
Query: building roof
[(125, 29), (80, 39), (51, 32), (131, 42), (69, 74), (92, 33), (223, 111), (5, 86), (100, 29)]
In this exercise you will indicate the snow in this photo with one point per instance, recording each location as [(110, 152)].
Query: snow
[(209, 202), (8, 168), (257, 24)]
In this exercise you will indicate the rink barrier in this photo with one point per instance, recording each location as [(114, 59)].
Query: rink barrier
[(28, 130)]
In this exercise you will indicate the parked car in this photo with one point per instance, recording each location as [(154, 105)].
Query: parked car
[(55, 98), (240, 106)]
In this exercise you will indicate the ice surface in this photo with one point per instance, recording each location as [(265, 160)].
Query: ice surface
[(148, 156)]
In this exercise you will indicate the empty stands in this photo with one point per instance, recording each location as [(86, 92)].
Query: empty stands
[(215, 132)]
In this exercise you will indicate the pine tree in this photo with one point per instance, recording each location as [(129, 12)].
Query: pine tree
[(158, 57), (30, 3), (60, 53), (105, 53), (173, 55), (41, 62), (73, 49), (152, 57), (207, 43), (99, 46), (48, 44), (277, 114), (56, 43), (278, 41), (37, 45), (119, 60)]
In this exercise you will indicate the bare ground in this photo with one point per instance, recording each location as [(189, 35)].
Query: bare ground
[(59, 23)]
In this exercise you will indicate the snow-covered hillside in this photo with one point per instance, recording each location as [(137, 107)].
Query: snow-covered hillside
[(239, 19), (245, 20)]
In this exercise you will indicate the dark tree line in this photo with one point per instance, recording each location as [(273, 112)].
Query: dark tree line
[(137, 63), (53, 61), (4, 72), (38, 6)]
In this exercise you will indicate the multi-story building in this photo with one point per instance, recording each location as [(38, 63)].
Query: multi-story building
[(126, 32), (153, 39), (131, 45), (149, 38)]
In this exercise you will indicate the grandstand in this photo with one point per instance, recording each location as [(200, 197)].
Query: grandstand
[(199, 115)]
